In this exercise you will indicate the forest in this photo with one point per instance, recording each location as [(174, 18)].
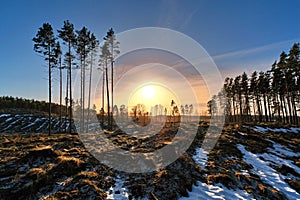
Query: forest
[(8, 103), (78, 53), (271, 96)]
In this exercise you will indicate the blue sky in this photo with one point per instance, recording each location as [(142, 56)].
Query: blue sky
[(240, 35)]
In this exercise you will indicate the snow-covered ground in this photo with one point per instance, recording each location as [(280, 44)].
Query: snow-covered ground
[(262, 166), (118, 192), (218, 191), (30, 123), (200, 157), (276, 130)]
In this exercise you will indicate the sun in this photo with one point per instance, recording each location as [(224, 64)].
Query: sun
[(151, 95), (148, 91)]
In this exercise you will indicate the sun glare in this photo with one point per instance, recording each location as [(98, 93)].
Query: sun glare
[(151, 95), (148, 91)]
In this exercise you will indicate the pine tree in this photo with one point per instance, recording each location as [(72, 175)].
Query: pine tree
[(113, 48), (104, 57), (245, 92), (58, 53), (83, 41), (93, 44), (69, 39), (45, 44)]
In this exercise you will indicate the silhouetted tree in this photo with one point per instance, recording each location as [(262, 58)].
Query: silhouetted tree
[(93, 44), (83, 42), (45, 44), (113, 48), (69, 39)]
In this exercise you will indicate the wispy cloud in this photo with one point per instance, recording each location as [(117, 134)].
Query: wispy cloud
[(255, 50), (248, 60), (176, 16)]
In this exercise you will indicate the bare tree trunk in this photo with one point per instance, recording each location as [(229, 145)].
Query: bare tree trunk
[(278, 107), (290, 108), (294, 110), (265, 108), (286, 113), (60, 95), (70, 85), (254, 110), (269, 108), (67, 101), (234, 113), (112, 90), (83, 95), (108, 104), (241, 108), (102, 115), (89, 96), (282, 108), (49, 117), (258, 109)]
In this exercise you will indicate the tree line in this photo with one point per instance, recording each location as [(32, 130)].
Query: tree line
[(268, 96), (9, 102), (79, 53)]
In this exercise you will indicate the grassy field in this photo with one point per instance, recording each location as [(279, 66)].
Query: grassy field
[(38, 166)]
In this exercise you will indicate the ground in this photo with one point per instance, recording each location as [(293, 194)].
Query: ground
[(248, 162)]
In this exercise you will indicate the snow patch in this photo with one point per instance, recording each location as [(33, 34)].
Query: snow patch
[(261, 162), (241, 133), (32, 124), (4, 115), (118, 192), (276, 130), (200, 157), (218, 191)]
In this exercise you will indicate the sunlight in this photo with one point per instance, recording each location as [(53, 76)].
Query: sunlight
[(152, 94), (148, 91)]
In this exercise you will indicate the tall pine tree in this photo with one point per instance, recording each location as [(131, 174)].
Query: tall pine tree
[(45, 44)]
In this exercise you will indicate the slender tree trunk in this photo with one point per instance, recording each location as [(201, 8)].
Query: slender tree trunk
[(247, 107), (112, 90), (108, 104), (49, 128), (89, 96), (278, 107), (254, 112), (285, 110), (294, 110), (103, 83), (60, 95), (258, 109), (290, 108), (234, 113), (265, 108), (269, 108), (282, 108), (241, 107), (70, 85), (67, 101), (83, 95)]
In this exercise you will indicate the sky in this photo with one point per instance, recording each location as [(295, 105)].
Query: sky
[(239, 35)]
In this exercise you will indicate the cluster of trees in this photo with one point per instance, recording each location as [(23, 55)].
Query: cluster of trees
[(80, 52), (9, 102), (273, 95), (160, 110)]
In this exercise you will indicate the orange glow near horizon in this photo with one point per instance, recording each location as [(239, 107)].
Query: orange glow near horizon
[(152, 94)]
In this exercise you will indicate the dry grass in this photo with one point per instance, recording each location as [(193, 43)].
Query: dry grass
[(67, 159)]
